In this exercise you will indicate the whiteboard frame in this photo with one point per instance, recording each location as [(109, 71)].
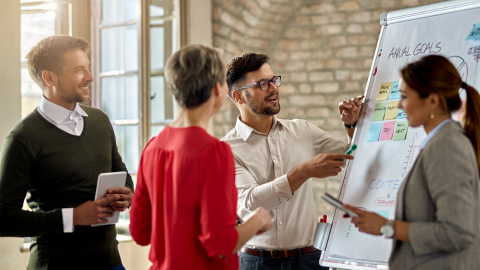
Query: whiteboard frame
[(386, 19)]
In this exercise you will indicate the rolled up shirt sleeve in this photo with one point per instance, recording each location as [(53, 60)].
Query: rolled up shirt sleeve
[(252, 195)]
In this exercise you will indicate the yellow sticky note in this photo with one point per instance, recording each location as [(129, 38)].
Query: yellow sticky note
[(392, 110), (384, 91)]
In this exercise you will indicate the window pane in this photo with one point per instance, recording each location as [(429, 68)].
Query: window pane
[(161, 101), (128, 145), (34, 27), (119, 48), (31, 93), (155, 130), (161, 8), (117, 11), (157, 48), (120, 97), (156, 11)]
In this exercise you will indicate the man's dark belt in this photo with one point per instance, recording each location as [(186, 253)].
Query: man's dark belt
[(276, 254)]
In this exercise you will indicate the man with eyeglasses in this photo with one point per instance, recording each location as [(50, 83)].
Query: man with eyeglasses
[(274, 161)]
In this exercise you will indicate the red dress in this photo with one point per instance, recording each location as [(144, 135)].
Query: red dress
[(185, 201)]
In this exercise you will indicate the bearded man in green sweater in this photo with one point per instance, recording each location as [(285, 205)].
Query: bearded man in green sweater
[(53, 157)]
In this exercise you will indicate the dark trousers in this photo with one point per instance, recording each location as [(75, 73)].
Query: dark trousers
[(299, 262)]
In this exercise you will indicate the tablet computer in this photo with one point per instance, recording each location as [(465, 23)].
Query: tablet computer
[(105, 182), (338, 204)]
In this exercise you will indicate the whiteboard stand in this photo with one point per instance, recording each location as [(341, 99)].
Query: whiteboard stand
[(445, 24)]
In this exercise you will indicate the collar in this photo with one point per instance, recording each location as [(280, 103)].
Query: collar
[(57, 113), (432, 134), (244, 130)]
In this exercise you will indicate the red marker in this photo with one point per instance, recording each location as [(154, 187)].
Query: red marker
[(324, 218)]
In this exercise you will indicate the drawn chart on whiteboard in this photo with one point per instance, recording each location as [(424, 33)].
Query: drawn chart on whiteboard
[(387, 146)]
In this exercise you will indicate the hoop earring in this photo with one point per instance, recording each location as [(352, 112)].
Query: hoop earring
[(431, 114)]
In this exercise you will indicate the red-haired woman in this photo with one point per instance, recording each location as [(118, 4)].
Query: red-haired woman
[(437, 215)]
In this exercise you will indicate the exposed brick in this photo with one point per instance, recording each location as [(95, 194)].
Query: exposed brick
[(320, 8), (264, 3), (354, 28), (336, 41), (289, 44), (322, 54), (329, 29), (298, 77), (302, 20), (281, 18), (311, 43), (315, 65), (301, 55), (269, 26), (279, 9), (305, 88), (353, 63), (319, 19), (249, 18), (368, 4), (367, 51), (349, 5), (287, 88), (268, 35), (295, 66), (367, 63), (316, 76), (298, 33), (339, 17), (233, 22), (252, 6), (359, 75), (361, 39), (388, 3), (376, 16), (295, 112), (342, 75), (334, 63), (352, 86), (329, 87), (359, 16), (277, 55), (216, 13), (234, 36), (221, 30), (256, 43), (410, 3), (318, 112), (347, 52), (373, 27), (232, 8), (255, 33), (304, 100), (218, 118)]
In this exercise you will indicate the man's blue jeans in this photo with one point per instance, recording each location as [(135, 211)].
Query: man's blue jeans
[(299, 262)]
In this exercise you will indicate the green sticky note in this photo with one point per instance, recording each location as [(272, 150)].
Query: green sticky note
[(400, 132), (379, 113)]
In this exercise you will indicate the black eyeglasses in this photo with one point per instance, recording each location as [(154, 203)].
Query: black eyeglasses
[(265, 83)]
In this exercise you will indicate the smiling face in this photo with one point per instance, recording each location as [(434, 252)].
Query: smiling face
[(416, 108), (258, 101), (74, 81)]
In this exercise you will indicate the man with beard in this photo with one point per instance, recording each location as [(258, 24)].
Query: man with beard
[(274, 161), (53, 157)]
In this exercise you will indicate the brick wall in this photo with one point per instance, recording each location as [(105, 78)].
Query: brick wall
[(323, 49)]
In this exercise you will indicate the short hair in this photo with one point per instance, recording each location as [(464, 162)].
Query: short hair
[(192, 72), (48, 55), (240, 65)]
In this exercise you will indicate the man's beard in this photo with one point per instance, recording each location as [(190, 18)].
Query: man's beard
[(262, 109), (71, 96)]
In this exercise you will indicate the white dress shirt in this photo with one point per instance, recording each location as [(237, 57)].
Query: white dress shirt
[(70, 122), (261, 166)]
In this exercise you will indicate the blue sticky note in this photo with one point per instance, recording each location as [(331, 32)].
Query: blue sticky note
[(475, 33), (374, 132), (401, 114), (395, 92), (383, 213)]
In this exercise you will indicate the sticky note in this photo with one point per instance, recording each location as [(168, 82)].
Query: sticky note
[(392, 110), (379, 112), (383, 213), (374, 132), (384, 91), (401, 114), (387, 131), (475, 33), (400, 133), (394, 91)]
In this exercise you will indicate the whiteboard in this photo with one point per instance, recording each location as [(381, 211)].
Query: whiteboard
[(372, 179)]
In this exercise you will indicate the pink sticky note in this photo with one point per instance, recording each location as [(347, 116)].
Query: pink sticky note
[(387, 131)]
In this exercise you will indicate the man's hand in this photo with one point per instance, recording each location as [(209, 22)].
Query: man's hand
[(350, 109), (124, 200), (325, 165), (92, 212)]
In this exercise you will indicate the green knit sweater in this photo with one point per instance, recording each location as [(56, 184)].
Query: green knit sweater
[(56, 170)]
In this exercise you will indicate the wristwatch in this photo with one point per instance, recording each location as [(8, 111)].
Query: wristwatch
[(387, 230), (350, 126)]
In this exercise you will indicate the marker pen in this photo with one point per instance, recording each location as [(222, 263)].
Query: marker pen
[(350, 150)]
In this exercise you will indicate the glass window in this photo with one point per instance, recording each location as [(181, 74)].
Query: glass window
[(119, 48)]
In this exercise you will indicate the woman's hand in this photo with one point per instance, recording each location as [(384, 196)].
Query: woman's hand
[(367, 222)]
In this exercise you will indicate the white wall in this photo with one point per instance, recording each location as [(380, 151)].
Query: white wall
[(10, 100)]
